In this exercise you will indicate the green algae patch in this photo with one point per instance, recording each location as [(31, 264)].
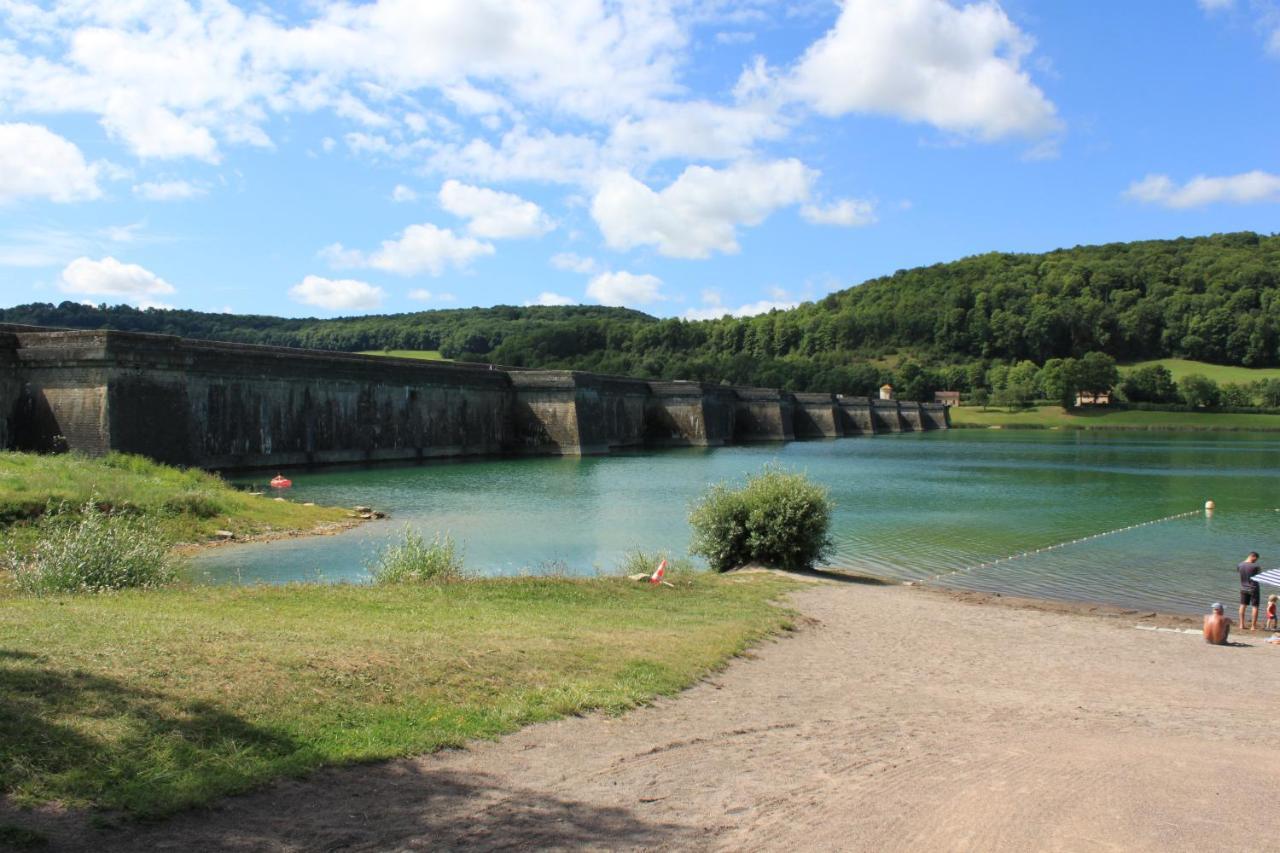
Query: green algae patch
[(147, 702)]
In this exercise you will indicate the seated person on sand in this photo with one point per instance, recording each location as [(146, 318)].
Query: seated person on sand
[(1216, 626)]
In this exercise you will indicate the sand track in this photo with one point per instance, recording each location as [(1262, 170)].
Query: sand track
[(894, 719)]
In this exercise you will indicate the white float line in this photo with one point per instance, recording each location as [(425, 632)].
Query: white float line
[(1064, 544)]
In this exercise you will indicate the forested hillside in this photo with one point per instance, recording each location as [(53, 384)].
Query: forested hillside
[(1212, 299)]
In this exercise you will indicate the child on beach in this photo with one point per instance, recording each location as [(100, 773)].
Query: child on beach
[(1271, 612)]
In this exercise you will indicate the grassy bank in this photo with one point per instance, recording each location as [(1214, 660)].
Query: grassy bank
[(424, 354), (150, 702), (1048, 417), (1220, 373), (188, 505)]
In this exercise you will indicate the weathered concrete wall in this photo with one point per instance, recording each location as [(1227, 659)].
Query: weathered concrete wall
[(695, 414), (10, 390), (855, 416), (227, 406), (885, 416), (764, 414), (910, 415), (63, 398), (817, 416), (935, 416), (573, 413)]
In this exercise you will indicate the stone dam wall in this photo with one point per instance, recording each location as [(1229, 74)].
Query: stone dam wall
[(230, 406)]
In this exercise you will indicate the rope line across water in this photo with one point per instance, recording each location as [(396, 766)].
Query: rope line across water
[(1031, 553)]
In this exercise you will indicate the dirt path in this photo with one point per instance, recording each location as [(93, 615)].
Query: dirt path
[(989, 728)]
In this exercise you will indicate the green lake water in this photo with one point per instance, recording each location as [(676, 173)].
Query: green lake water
[(910, 506)]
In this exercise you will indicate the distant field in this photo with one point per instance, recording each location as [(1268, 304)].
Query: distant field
[(1219, 373), (1047, 417), (426, 354)]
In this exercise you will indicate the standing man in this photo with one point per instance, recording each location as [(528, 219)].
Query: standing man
[(1250, 589)]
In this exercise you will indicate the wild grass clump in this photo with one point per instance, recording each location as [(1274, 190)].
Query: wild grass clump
[(415, 560), (93, 550), (639, 562), (779, 519)]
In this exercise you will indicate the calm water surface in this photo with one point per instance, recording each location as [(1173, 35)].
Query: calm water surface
[(909, 506)]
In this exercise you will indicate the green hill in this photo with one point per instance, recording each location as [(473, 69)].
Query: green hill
[(1220, 373), (1212, 299)]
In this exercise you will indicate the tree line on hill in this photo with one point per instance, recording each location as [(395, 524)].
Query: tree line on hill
[(952, 325), (1061, 380)]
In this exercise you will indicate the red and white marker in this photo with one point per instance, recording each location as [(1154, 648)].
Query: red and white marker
[(659, 573)]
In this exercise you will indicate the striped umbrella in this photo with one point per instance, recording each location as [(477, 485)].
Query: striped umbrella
[(1270, 576)]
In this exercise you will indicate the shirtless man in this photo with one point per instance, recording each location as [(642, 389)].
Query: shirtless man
[(1250, 589), (1216, 626)]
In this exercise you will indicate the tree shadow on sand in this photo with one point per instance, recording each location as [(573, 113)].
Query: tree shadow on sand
[(390, 806)]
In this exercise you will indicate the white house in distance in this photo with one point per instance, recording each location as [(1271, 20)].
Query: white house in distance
[(947, 398), (886, 392), (1088, 398)]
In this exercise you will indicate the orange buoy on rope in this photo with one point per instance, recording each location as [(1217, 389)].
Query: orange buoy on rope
[(279, 482)]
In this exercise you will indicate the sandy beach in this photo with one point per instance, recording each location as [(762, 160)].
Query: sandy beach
[(893, 718)]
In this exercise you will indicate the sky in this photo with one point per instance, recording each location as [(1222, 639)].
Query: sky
[(689, 159)]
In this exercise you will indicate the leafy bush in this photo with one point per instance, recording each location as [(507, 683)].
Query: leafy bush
[(1199, 391), (95, 551), (779, 518), (414, 560)]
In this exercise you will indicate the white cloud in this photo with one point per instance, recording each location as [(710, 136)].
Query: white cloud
[(546, 297), (167, 190), (492, 214), (1215, 5), (694, 130), (151, 131), (624, 288), (109, 277), (521, 156), (957, 68), (849, 212), (401, 193), (344, 294), (423, 295), (699, 213), (418, 249), (713, 307), (570, 262), (171, 78), (35, 162), (1254, 187)]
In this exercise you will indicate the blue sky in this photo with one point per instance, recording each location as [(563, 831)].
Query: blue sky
[(684, 158)]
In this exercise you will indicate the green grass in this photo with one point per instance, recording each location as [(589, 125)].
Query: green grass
[(1220, 373), (425, 354), (1047, 417), (186, 505), (148, 702)]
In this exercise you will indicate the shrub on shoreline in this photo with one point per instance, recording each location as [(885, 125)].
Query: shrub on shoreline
[(414, 560), (96, 551), (779, 518)]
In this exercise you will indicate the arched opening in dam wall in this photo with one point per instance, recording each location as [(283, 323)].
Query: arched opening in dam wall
[(231, 406)]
